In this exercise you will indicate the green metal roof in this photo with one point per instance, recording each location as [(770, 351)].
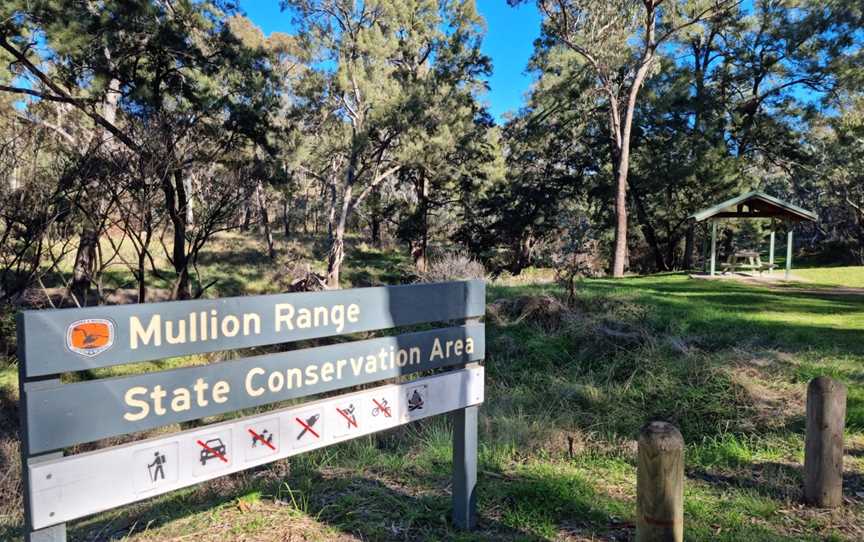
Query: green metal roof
[(759, 205)]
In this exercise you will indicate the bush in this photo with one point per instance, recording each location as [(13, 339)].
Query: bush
[(452, 266)]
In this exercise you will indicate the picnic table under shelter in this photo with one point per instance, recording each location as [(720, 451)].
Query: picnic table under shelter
[(753, 205)]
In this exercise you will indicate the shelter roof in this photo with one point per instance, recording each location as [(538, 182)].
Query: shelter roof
[(755, 204)]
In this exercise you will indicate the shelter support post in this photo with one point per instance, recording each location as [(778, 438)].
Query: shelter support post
[(789, 252), (771, 253), (713, 247)]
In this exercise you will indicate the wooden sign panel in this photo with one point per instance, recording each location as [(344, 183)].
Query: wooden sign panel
[(76, 486), (64, 340), (68, 414), (57, 415)]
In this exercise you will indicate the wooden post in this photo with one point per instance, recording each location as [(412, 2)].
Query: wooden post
[(771, 253), (789, 252), (465, 425), (55, 533), (823, 448), (713, 247), (465, 467), (660, 484)]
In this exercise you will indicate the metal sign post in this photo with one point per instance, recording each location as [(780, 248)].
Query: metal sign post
[(55, 415)]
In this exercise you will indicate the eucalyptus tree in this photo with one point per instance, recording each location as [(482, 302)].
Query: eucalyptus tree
[(618, 42), (376, 62), (171, 68), (449, 148), (550, 149)]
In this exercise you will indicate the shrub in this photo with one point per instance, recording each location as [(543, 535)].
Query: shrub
[(452, 266)]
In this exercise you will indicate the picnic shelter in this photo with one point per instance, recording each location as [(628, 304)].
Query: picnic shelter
[(753, 205)]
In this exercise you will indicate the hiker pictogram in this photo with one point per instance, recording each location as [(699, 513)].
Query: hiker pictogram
[(382, 407), (348, 414), (265, 437), (308, 425), (156, 469)]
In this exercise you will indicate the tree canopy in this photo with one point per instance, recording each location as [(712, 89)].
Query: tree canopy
[(160, 124)]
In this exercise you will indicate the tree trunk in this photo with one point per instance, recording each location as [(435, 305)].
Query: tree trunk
[(649, 232), (623, 163), (689, 245), (335, 257), (286, 216), (620, 254), (375, 227), (188, 188), (522, 254), (142, 277), (85, 263), (84, 268), (245, 217), (375, 219), (419, 250), (265, 218), (331, 211), (175, 202), (337, 233)]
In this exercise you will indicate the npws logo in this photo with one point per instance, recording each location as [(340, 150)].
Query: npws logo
[(90, 337)]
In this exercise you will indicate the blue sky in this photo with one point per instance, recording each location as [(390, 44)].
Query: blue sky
[(509, 42)]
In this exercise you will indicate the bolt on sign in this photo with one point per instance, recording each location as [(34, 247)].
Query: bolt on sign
[(56, 415)]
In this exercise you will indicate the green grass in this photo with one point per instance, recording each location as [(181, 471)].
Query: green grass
[(567, 391), (833, 276)]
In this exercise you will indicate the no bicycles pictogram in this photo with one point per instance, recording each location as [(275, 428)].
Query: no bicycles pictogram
[(381, 407)]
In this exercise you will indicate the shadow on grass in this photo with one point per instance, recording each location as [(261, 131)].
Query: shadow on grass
[(778, 481), (235, 257), (728, 314), (525, 507), (399, 507), (360, 506)]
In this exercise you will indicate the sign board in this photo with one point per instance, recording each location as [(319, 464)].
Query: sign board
[(63, 415), (75, 486), (56, 415), (96, 337)]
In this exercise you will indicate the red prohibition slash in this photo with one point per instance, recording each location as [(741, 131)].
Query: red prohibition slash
[(351, 421), (212, 451), (307, 427), (385, 410), (261, 439)]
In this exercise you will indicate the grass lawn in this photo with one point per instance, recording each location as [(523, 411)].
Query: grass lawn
[(833, 276), (568, 387)]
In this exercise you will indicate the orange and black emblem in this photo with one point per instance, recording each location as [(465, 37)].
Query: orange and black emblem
[(90, 337)]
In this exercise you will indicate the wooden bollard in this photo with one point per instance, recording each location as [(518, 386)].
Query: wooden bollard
[(823, 447), (660, 484)]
